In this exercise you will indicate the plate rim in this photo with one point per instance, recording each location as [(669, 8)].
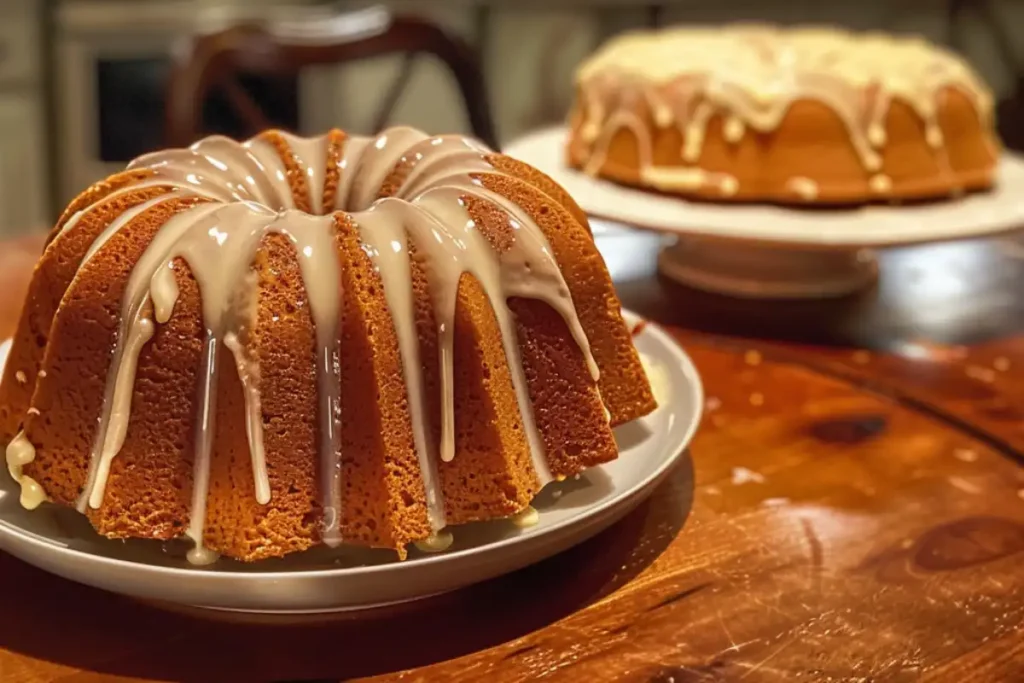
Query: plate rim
[(745, 213), (592, 513)]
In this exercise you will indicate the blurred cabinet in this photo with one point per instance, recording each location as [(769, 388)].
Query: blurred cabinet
[(23, 149), (19, 43)]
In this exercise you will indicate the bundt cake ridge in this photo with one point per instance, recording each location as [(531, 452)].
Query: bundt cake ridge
[(294, 286)]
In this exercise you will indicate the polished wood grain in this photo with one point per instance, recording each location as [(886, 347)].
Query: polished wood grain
[(852, 509)]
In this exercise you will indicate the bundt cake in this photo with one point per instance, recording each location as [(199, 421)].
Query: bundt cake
[(269, 345), (803, 116)]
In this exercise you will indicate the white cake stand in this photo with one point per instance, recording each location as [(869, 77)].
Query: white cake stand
[(764, 251)]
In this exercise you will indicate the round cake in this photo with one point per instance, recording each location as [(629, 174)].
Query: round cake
[(268, 345), (804, 116)]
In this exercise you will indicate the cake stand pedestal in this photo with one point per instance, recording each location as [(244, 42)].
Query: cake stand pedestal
[(767, 251), (752, 270)]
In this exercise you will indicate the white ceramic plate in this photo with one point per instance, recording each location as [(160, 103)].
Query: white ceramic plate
[(974, 215), (61, 541)]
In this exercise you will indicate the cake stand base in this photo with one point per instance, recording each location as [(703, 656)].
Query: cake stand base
[(767, 271)]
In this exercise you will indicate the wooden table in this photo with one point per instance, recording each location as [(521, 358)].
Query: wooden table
[(858, 515)]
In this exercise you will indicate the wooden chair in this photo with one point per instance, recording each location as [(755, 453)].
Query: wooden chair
[(214, 61)]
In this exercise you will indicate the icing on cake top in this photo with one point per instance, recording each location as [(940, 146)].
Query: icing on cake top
[(751, 74), (243, 192)]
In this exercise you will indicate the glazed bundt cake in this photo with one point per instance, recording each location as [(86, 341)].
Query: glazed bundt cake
[(804, 116), (268, 345)]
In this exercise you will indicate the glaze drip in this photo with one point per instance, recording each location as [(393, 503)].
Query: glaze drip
[(21, 452), (245, 195), (749, 75)]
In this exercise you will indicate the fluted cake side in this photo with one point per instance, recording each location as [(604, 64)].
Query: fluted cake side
[(268, 345)]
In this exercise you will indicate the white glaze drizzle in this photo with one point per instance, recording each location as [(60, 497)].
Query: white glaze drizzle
[(219, 254), (348, 168), (321, 274), (750, 75), (526, 270), (803, 187), (142, 329), (135, 330), (437, 542), (118, 223), (526, 517), (274, 172), (376, 164), (248, 374), (218, 240), (383, 231), (880, 183), (21, 452), (311, 153), (441, 157), (203, 453)]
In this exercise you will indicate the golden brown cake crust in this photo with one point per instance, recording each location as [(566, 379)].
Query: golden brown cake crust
[(157, 456), (332, 174), (750, 113), (623, 384), (53, 274), (281, 346), (492, 474), (294, 169), (555, 369), (542, 182), (71, 389), (383, 501), (128, 415), (96, 192)]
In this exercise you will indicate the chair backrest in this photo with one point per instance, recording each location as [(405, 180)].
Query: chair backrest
[(214, 61)]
